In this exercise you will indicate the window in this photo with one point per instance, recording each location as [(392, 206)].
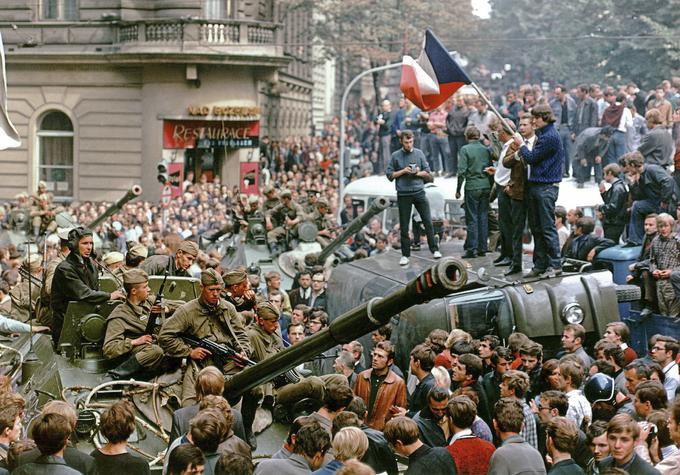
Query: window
[(55, 148), (59, 9), (218, 9)]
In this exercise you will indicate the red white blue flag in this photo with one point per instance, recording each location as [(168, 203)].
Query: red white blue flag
[(432, 78)]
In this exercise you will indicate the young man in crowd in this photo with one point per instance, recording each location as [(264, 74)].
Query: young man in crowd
[(562, 437), (470, 453), (622, 435)]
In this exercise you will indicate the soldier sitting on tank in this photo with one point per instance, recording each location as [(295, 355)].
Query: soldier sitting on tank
[(207, 317), (281, 222), (126, 334), (237, 290), (177, 265), (323, 221), (586, 245), (42, 215), (44, 312), (75, 279), (22, 304), (271, 199), (252, 210)]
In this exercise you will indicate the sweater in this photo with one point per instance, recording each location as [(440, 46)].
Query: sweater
[(546, 157)]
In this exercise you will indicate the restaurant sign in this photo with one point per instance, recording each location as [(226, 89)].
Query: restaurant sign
[(229, 134)]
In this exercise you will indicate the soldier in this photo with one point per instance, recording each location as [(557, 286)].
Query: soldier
[(21, 302), (238, 291), (312, 201), (43, 213), (75, 279), (5, 299), (323, 222), (265, 341), (177, 265), (114, 264), (207, 317), (250, 211), (281, 221), (271, 200), (135, 256), (44, 312), (126, 328)]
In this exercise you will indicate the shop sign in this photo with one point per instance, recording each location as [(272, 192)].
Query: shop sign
[(229, 134)]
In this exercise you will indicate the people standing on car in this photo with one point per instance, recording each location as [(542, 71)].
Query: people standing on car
[(409, 167)]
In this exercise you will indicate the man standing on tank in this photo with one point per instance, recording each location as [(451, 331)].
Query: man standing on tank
[(409, 167)]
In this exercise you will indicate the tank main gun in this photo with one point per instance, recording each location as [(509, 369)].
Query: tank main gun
[(132, 193), (445, 277), (379, 204)]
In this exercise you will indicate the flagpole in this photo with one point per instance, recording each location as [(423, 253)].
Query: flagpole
[(486, 100)]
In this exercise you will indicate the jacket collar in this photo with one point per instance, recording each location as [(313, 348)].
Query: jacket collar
[(389, 379)]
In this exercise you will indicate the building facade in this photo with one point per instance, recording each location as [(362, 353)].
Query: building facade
[(102, 90)]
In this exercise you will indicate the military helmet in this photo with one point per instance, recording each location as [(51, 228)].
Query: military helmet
[(599, 388)]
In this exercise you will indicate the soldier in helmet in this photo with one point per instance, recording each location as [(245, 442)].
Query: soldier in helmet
[(22, 303), (114, 262), (237, 290), (271, 199), (281, 221), (323, 222), (207, 317), (75, 279), (177, 265), (126, 328)]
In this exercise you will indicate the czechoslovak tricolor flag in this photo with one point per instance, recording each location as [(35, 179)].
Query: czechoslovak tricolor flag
[(433, 77)]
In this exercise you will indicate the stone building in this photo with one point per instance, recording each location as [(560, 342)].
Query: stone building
[(102, 90)]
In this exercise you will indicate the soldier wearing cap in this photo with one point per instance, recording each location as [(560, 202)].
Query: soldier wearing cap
[(177, 265), (312, 199), (44, 311), (324, 222), (126, 328), (207, 317), (281, 221), (136, 254), (237, 290), (265, 341), (271, 200), (75, 279), (22, 301), (43, 213)]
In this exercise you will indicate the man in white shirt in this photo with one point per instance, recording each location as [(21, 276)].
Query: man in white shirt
[(501, 177), (664, 352)]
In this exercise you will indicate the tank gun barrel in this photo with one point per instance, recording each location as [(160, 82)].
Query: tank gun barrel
[(378, 205), (447, 276), (132, 193)]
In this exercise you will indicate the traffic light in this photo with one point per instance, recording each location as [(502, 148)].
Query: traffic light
[(162, 171)]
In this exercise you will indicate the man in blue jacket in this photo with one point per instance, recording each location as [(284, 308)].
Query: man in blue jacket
[(545, 162), (409, 167)]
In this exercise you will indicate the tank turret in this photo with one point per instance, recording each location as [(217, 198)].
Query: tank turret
[(132, 193), (444, 278)]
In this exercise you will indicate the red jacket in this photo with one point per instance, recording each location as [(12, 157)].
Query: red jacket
[(392, 392)]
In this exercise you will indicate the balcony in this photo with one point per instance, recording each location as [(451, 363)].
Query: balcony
[(150, 40)]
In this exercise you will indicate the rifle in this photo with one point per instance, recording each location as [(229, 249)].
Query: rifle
[(220, 353), (153, 316)]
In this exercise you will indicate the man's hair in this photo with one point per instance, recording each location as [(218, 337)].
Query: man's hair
[(271, 275), (563, 433), (516, 340), (344, 419), (118, 421), (354, 467), (587, 225), (356, 346), (623, 423), (208, 429), (517, 381), (462, 347), (614, 351), (472, 133), (532, 349), (438, 394), (572, 370), (576, 328), (209, 380), (555, 400), (297, 425), (613, 169), (346, 359), (473, 365), (425, 355), (51, 433), (670, 344), (595, 430), (402, 429), (675, 410), (358, 407), (619, 328), (641, 367), (583, 88), (437, 340), (385, 331), (501, 352), (182, 457), (337, 397), (654, 116), (312, 438), (292, 325), (348, 443), (406, 134), (8, 416), (61, 407), (508, 414), (321, 315), (16, 449), (222, 405), (234, 464), (543, 111), (653, 392), (387, 347), (561, 213), (604, 367), (632, 159), (493, 341), (462, 410)]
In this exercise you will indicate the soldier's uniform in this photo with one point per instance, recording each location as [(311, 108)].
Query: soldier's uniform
[(322, 221), (309, 207), (234, 277), (43, 212), (159, 264), (221, 324), (278, 217), (22, 301), (111, 259), (271, 199)]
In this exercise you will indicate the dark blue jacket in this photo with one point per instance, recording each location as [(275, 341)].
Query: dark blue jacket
[(547, 156)]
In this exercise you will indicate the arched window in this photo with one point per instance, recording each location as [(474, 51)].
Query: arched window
[(55, 148)]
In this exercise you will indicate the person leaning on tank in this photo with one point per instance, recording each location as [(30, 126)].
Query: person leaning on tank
[(126, 334), (206, 317), (177, 265)]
